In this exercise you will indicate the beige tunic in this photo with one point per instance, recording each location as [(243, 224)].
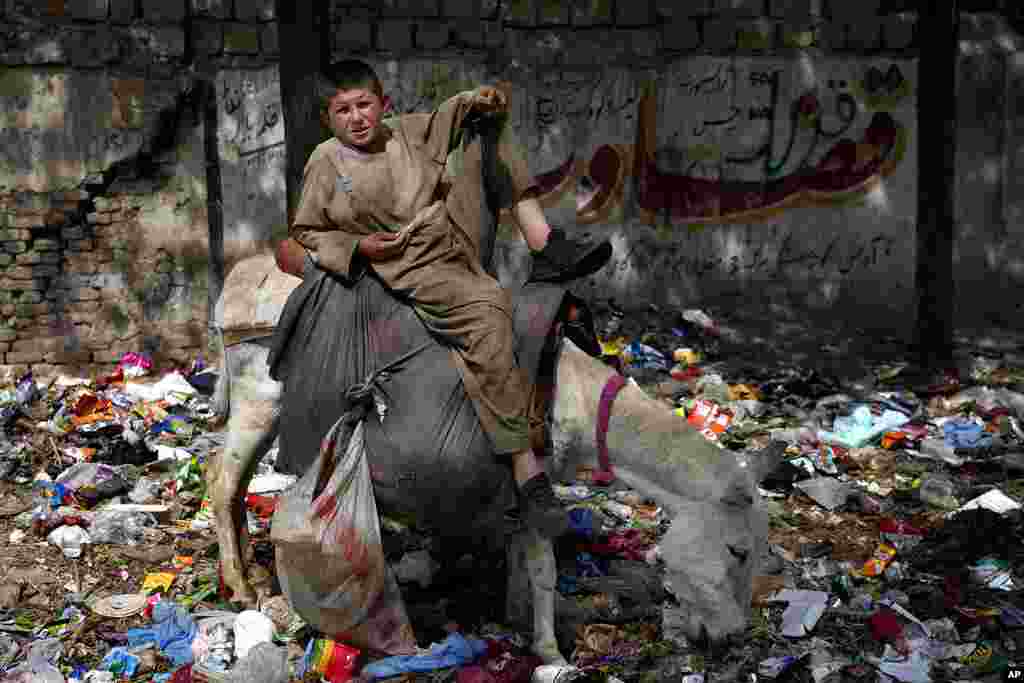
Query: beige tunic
[(426, 185)]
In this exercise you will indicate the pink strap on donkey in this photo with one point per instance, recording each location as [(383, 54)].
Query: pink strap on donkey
[(606, 474)]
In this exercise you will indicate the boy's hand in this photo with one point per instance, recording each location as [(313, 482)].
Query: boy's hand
[(490, 100), (380, 246)]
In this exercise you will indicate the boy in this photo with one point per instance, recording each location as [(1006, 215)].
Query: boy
[(402, 198)]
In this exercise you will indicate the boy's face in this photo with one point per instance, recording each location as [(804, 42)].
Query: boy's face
[(354, 116)]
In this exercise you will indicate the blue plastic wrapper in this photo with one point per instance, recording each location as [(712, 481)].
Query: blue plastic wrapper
[(120, 662), (965, 433), (566, 585), (589, 566), (645, 357), (455, 650), (173, 631), (26, 392), (581, 521)]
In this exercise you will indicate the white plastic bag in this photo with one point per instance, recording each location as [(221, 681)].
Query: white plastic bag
[(333, 541)]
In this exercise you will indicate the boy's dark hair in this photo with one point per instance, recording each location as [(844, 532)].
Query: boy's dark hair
[(347, 74)]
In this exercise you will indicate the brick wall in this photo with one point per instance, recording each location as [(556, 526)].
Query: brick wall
[(103, 196), (618, 31), (103, 225)]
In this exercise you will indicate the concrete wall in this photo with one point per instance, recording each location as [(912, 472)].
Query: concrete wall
[(734, 150)]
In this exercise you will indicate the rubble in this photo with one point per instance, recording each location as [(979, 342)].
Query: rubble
[(894, 553)]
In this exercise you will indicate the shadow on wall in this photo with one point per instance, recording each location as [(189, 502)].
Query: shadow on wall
[(989, 250), (162, 255)]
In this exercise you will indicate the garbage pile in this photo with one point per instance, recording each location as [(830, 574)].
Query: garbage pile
[(894, 553)]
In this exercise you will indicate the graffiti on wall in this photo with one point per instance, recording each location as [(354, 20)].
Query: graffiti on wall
[(252, 158), (715, 140), (780, 252), (250, 111)]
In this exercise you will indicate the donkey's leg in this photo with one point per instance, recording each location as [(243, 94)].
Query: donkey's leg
[(540, 564), (252, 428)]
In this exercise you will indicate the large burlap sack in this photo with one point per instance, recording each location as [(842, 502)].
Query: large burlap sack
[(255, 292)]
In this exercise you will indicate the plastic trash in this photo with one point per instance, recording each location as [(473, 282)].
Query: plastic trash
[(455, 650), (827, 492), (713, 387), (173, 387), (686, 356), (264, 663), (334, 661), (645, 357), (938, 491), (220, 646), (993, 574), (994, 500), (40, 664), (86, 473), (121, 662), (899, 534), (252, 628), (965, 433), (135, 365), (701, 319), (145, 491), (70, 540), (99, 677), (271, 483), (120, 527), (172, 630), (862, 427), (803, 611), (914, 667), (773, 667), (936, 449), (877, 563)]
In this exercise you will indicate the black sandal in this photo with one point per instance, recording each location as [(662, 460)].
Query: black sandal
[(563, 259)]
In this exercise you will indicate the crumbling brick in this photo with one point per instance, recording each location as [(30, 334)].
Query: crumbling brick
[(16, 357), (65, 357), (40, 344)]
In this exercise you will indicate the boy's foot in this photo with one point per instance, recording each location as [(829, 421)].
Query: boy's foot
[(540, 509), (563, 259)]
